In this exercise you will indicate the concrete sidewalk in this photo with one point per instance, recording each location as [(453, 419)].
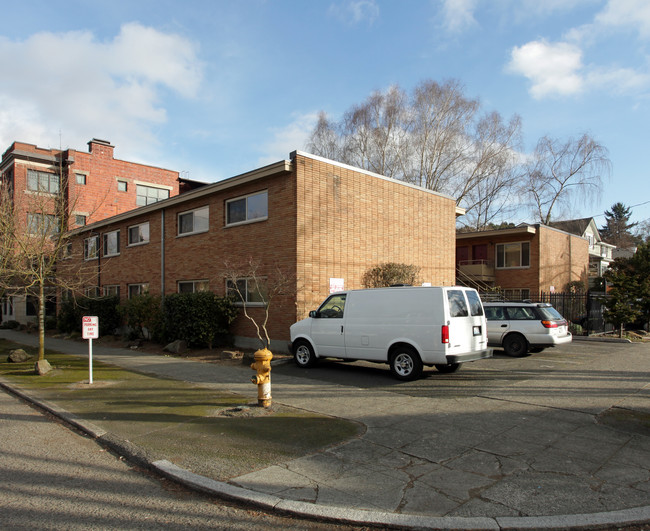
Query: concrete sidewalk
[(528, 455)]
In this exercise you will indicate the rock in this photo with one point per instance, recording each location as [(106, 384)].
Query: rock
[(42, 367), (176, 347), (18, 355)]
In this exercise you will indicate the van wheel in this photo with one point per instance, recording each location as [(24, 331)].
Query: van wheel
[(447, 367), (405, 364), (515, 345), (303, 354)]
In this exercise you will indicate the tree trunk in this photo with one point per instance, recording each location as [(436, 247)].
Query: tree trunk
[(41, 321)]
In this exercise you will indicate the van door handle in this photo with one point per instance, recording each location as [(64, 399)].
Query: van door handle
[(504, 326), (341, 329)]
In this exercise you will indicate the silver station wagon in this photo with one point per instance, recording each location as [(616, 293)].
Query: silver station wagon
[(523, 327)]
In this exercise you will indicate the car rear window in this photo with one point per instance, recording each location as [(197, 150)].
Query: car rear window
[(550, 313), (457, 304), (475, 306)]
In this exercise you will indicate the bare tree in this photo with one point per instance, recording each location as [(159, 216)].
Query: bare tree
[(561, 173), (435, 139), (34, 242), (254, 289)]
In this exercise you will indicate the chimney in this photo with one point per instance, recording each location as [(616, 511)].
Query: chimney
[(100, 147)]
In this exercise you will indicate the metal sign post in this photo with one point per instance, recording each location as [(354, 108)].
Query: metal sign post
[(90, 331)]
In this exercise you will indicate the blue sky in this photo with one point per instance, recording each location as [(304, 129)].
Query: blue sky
[(215, 88)]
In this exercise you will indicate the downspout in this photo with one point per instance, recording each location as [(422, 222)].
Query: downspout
[(162, 254)]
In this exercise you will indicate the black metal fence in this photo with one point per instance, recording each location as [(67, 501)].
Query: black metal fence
[(583, 309)]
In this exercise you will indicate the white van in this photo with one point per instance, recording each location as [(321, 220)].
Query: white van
[(406, 327)]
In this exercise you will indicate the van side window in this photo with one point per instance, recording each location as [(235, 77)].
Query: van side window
[(457, 304), (475, 306), (333, 307)]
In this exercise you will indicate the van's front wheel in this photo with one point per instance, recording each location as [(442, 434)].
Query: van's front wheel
[(405, 364), (303, 354)]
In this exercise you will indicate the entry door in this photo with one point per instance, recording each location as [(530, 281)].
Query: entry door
[(327, 328), (480, 252)]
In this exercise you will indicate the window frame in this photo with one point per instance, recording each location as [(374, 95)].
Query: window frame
[(247, 219), (36, 224), (80, 178), (521, 245), (249, 303), (140, 242), (111, 290), (121, 182), (39, 176), (142, 288), (147, 187), (105, 241), (95, 255), (203, 285), (83, 217), (193, 212)]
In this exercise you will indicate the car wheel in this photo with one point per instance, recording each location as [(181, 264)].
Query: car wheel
[(447, 367), (515, 345), (303, 354), (405, 364)]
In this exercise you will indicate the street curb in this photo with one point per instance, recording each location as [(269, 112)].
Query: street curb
[(137, 456), (601, 339)]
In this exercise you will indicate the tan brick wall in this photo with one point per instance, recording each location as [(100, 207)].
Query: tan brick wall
[(349, 221)]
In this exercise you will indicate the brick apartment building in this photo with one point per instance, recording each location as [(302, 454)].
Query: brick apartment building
[(322, 222), (522, 261), (93, 185)]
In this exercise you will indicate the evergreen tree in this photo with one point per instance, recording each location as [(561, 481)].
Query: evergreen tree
[(617, 226), (620, 307)]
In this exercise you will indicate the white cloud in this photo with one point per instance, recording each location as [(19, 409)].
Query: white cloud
[(292, 137), (70, 82), (458, 14), (626, 14), (355, 11), (552, 68)]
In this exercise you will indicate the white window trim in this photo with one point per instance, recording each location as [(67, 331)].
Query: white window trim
[(247, 221), (104, 247), (106, 288), (496, 255), (144, 288), (97, 249), (178, 221), (193, 282), (128, 235)]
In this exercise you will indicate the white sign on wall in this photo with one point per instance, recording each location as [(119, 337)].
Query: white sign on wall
[(337, 284)]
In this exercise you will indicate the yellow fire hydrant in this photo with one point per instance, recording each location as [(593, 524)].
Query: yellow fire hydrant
[(262, 365)]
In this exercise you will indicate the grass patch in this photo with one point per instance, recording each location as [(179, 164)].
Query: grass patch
[(176, 420)]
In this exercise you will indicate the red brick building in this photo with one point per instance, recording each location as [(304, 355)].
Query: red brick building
[(321, 222), (522, 261), (93, 185)]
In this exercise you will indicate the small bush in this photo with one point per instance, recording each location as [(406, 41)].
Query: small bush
[(72, 310), (10, 325), (143, 315), (390, 274)]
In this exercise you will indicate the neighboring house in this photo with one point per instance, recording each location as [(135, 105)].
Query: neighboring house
[(322, 222), (94, 186), (522, 261), (601, 254)]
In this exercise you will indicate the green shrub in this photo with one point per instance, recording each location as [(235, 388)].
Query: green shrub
[(10, 325), (143, 315), (201, 318), (390, 274), (105, 308)]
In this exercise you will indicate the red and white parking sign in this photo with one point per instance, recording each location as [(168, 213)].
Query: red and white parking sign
[(90, 327)]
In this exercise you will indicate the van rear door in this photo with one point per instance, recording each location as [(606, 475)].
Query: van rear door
[(467, 323)]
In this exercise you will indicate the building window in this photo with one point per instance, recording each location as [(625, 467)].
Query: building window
[(147, 195), (251, 291), (42, 224), (40, 181), (80, 220), (112, 243), (139, 234), (91, 292), (252, 207), (193, 221), (516, 294), (81, 178), (91, 248), (112, 290), (511, 255), (137, 289), (67, 250), (192, 286), (122, 186)]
